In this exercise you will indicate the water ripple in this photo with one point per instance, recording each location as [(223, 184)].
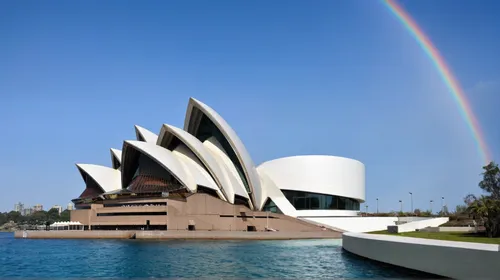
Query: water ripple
[(299, 259)]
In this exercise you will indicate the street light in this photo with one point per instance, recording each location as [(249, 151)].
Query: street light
[(401, 205), (411, 199), (442, 205), (366, 209), (377, 205), (431, 205)]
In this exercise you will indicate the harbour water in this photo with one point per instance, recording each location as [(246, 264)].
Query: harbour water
[(295, 259)]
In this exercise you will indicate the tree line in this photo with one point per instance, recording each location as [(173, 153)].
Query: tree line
[(36, 218), (485, 209)]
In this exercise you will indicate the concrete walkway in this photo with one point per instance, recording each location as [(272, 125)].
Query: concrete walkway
[(180, 235)]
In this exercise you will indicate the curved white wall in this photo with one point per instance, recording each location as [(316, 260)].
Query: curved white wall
[(318, 174), (116, 155), (236, 144), (107, 178), (147, 135), (193, 167), (456, 260), (197, 148), (237, 187)]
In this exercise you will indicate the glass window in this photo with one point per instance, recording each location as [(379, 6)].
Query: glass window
[(308, 201), (270, 206)]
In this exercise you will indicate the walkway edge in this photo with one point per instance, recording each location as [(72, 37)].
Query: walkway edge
[(181, 235), (458, 260)]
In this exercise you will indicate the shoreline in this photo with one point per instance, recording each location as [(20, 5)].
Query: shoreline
[(176, 235)]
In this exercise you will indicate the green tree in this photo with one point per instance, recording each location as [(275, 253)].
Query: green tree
[(38, 218), (426, 213), (53, 215), (14, 216), (491, 180), (3, 218), (469, 199), (486, 210), (65, 216), (460, 209)]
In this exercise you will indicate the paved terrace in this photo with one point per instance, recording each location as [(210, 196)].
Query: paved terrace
[(177, 234)]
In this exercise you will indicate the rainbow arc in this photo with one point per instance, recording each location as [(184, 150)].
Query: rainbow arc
[(446, 74)]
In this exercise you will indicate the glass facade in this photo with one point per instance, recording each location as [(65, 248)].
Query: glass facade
[(270, 206), (316, 201)]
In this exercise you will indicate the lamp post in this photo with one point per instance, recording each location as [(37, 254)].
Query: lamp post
[(377, 205), (401, 206), (442, 205), (366, 209), (411, 201), (431, 205)]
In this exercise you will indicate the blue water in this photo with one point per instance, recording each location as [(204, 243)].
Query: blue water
[(318, 259)]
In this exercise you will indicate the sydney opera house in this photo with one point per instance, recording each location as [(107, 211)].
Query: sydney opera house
[(202, 177)]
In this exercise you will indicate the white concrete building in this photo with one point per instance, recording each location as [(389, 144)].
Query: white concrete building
[(208, 156)]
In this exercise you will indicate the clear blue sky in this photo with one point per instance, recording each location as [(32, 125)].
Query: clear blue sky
[(292, 77)]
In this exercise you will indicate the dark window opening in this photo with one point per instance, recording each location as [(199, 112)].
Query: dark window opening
[(92, 189), (116, 163), (136, 204), (132, 214), (173, 144), (151, 177), (139, 136), (211, 192), (270, 206), (207, 129), (239, 200), (310, 201), (127, 227), (251, 228), (191, 227)]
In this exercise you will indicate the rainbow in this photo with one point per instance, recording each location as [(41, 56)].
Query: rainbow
[(446, 74)]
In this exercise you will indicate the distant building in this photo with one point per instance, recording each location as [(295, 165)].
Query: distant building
[(58, 207), (70, 206), (19, 207), (27, 211), (38, 207)]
